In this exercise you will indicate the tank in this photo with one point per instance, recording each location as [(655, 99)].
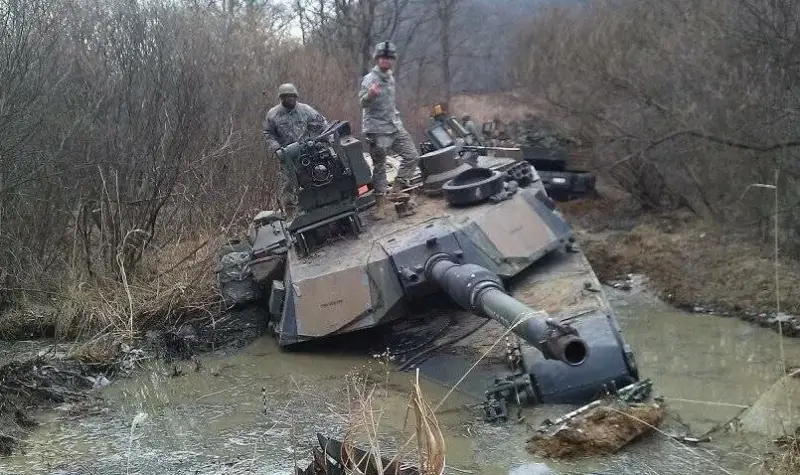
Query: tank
[(488, 249)]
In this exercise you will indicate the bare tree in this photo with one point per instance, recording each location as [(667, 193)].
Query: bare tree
[(685, 102), (132, 127), (446, 11), (352, 28)]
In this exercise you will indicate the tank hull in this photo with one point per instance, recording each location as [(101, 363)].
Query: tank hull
[(379, 278), (355, 284)]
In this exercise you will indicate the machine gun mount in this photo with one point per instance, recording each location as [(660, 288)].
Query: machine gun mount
[(326, 172)]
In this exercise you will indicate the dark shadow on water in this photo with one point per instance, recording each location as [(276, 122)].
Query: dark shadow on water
[(408, 332)]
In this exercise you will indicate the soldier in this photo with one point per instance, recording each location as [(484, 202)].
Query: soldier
[(383, 128), (288, 122), (471, 127)]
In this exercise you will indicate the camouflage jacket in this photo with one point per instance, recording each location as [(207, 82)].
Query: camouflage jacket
[(471, 128), (379, 115), (283, 126)]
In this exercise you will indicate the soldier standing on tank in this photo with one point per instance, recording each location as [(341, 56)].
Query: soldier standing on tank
[(288, 122), (383, 128), (470, 126)]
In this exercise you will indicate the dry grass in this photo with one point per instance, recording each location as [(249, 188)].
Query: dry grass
[(364, 431), (678, 99), (178, 287), (690, 261), (430, 441), (788, 462)]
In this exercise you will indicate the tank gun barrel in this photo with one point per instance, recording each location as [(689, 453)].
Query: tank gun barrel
[(481, 291)]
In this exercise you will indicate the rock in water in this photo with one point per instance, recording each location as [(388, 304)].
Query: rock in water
[(777, 410)]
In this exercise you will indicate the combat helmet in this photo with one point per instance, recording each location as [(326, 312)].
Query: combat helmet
[(287, 88), (385, 48)]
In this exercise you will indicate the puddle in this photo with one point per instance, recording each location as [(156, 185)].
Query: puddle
[(258, 410), (707, 367)]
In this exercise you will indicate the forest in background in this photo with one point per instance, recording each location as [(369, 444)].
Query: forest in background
[(130, 134), (130, 131), (683, 103)]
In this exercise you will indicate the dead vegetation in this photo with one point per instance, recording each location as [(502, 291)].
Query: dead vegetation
[(686, 103), (601, 431), (130, 139), (788, 461), (691, 263), (363, 450), (34, 383)]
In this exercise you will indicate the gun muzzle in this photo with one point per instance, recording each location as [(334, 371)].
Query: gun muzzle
[(479, 290)]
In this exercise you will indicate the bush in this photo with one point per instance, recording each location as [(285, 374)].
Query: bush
[(686, 102)]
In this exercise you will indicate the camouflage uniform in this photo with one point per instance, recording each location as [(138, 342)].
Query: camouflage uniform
[(283, 126), (471, 127), (384, 130)]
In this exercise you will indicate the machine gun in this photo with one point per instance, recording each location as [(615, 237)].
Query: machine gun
[(446, 131), (326, 171)]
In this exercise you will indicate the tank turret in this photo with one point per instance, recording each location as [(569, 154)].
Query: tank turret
[(331, 271)]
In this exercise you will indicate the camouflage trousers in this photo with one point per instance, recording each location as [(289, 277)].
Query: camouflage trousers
[(288, 199), (399, 142)]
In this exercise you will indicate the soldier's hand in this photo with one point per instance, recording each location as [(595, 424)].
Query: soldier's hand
[(374, 90)]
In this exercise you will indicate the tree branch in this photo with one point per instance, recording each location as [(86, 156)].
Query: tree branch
[(711, 138)]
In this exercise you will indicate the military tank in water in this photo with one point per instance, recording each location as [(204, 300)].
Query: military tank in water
[(475, 233)]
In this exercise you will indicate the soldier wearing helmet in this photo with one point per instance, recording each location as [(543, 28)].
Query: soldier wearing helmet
[(470, 126), (291, 121), (288, 122), (382, 126)]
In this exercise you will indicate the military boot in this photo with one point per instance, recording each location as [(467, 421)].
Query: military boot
[(381, 209), (407, 196), (399, 184)]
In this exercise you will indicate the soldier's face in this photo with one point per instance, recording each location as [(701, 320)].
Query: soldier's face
[(289, 101), (385, 62)]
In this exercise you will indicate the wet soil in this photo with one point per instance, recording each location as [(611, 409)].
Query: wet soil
[(230, 401), (603, 430), (692, 264), (35, 384), (258, 409), (35, 377)]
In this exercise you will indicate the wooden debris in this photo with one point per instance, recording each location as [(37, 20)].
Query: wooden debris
[(602, 430)]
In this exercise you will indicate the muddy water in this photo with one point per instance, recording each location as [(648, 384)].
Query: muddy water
[(258, 410)]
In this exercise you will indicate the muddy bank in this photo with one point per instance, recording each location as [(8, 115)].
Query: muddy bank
[(691, 264), (38, 383), (260, 408), (31, 382), (702, 269), (602, 431)]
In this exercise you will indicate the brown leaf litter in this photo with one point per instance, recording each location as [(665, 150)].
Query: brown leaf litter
[(601, 431)]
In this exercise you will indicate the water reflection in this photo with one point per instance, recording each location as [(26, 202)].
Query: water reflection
[(218, 420)]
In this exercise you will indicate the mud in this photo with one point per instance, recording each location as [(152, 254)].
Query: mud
[(601, 431), (695, 266), (35, 377), (37, 383), (258, 409)]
